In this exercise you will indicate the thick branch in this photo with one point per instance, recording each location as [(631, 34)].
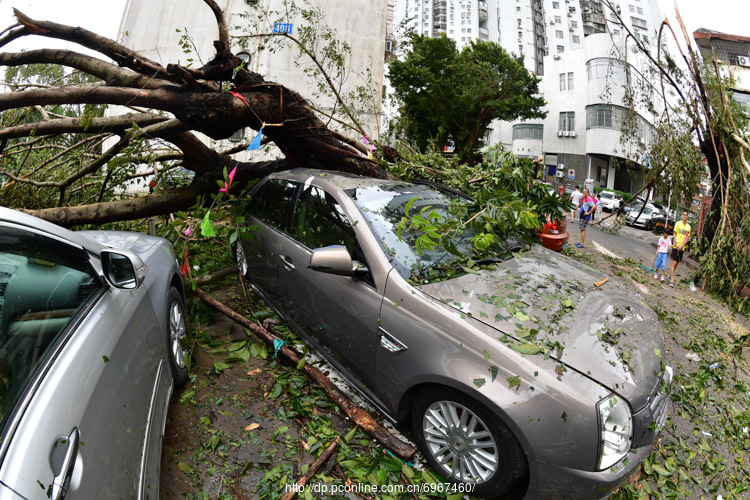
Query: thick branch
[(154, 204), (222, 45), (357, 414), (113, 75), (119, 53), (114, 124)]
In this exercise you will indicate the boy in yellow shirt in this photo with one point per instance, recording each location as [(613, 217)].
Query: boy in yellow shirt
[(681, 237)]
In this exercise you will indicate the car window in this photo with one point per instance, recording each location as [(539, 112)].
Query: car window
[(272, 200), (319, 220), (43, 285)]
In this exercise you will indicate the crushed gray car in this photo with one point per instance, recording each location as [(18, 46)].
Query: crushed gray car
[(91, 325), (521, 376)]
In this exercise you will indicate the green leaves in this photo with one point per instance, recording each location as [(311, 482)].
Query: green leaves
[(530, 349), (514, 381), (479, 382), (444, 92)]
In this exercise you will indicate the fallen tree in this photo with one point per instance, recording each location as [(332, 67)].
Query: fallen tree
[(170, 104)]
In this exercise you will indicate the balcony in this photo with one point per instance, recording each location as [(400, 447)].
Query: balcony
[(484, 34)]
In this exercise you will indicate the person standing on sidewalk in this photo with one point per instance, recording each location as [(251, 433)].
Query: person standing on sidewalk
[(662, 248), (681, 237), (588, 205), (575, 198)]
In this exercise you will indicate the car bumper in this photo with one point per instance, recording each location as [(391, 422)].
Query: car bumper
[(548, 480)]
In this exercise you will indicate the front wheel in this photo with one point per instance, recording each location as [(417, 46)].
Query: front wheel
[(465, 442), (177, 331)]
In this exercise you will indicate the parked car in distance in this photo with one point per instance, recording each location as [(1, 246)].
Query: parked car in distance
[(91, 325), (610, 201), (643, 218), (519, 374)]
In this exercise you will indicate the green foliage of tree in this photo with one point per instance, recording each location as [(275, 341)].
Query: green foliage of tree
[(445, 93), (508, 204)]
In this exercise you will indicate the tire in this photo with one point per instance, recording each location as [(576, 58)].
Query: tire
[(241, 259), (445, 444), (176, 332)]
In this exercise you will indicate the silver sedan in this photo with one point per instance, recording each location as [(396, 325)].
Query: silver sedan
[(91, 325), (518, 376)]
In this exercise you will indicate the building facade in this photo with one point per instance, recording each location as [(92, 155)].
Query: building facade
[(578, 48), (732, 55)]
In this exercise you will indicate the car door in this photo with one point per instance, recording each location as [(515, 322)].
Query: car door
[(339, 312), (81, 370), (268, 214)]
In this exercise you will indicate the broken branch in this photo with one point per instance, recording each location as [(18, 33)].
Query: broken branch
[(358, 415)]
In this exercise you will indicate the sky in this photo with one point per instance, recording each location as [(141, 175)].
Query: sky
[(103, 16)]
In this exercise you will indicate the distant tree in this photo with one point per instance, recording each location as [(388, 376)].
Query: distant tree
[(444, 92)]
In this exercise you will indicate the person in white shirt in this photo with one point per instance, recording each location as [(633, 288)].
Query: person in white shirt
[(662, 248), (575, 198)]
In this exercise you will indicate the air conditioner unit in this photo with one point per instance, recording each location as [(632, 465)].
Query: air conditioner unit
[(560, 173), (743, 60), (566, 133), (572, 133), (559, 133)]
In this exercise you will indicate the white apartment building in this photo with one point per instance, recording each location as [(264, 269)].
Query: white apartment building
[(578, 49)]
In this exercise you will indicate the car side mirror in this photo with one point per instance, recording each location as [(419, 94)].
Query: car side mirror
[(334, 259), (123, 269)]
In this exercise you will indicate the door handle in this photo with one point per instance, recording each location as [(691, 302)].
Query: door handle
[(287, 262), (61, 483)]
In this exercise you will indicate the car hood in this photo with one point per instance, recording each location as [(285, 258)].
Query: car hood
[(122, 240), (549, 300)]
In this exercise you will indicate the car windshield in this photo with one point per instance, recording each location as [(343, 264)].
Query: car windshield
[(384, 206), (606, 195)]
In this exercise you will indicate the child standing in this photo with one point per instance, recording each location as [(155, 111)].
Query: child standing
[(665, 242)]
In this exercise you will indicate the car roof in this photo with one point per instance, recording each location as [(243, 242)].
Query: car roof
[(341, 180), (24, 219)]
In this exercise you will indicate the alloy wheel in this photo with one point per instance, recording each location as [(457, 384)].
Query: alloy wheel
[(241, 259), (460, 441), (177, 332)]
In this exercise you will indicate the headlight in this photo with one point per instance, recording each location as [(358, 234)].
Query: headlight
[(616, 430)]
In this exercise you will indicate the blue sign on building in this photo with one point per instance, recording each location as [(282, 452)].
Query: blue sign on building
[(282, 28)]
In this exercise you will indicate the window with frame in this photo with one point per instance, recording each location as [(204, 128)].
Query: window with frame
[(319, 221), (599, 116), (560, 49), (272, 201), (632, 8), (555, 5), (640, 10), (558, 34), (567, 121), (528, 131), (558, 19), (570, 81), (576, 39), (562, 81), (605, 67), (574, 24)]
